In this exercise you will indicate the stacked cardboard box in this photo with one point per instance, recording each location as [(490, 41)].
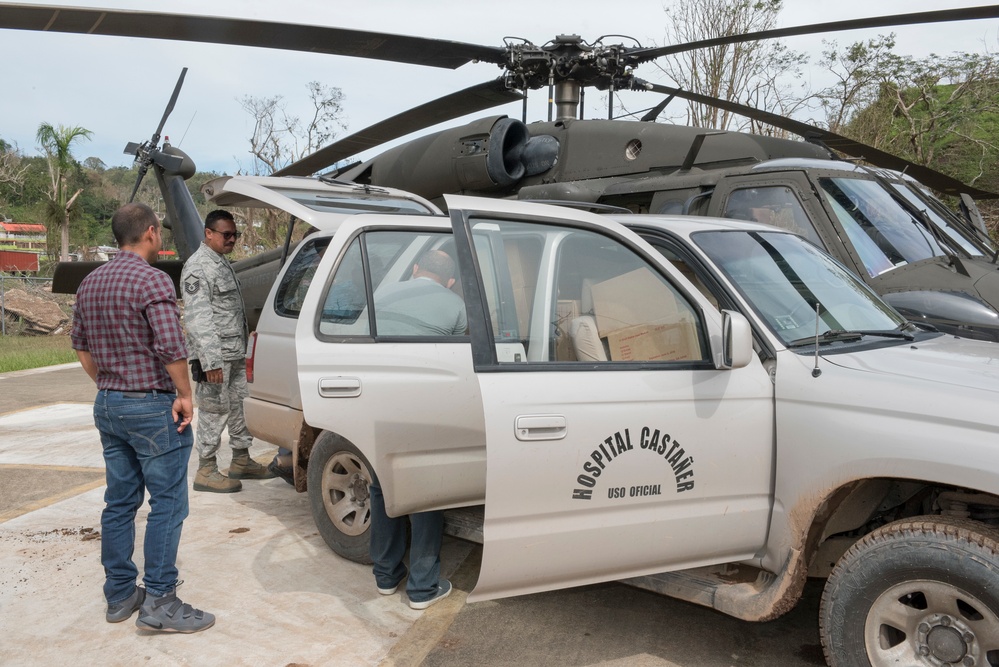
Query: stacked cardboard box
[(640, 319)]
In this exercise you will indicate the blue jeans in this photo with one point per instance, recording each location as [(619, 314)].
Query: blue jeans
[(142, 450), (388, 546)]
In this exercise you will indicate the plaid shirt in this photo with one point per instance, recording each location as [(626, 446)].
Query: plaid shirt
[(126, 316)]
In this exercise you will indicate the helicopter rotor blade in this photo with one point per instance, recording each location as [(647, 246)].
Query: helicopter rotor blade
[(169, 106), (470, 100), (138, 181), (148, 153), (914, 18), (929, 177), (243, 32), (653, 113)]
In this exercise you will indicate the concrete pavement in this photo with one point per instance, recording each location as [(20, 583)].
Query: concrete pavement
[(253, 558), (283, 598)]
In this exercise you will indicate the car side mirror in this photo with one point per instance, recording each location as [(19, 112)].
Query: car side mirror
[(737, 340)]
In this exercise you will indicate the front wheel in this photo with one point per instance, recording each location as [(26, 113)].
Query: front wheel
[(918, 592), (339, 476)]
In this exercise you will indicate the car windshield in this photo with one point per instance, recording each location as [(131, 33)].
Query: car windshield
[(883, 233), (786, 279)]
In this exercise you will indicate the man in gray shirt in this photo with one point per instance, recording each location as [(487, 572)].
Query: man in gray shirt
[(425, 304), (421, 306)]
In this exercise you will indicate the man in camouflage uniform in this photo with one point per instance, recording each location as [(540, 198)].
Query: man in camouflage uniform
[(216, 336)]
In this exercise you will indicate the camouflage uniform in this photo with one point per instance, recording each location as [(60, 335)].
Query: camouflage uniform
[(216, 335)]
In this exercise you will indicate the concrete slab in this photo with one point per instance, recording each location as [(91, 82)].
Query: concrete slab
[(253, 558), (284, 600)]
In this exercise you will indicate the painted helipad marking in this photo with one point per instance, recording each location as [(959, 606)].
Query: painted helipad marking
[(54, 498), (52, 435)]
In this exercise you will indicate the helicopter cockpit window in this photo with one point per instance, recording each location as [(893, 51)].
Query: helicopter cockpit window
[(776, 206), (937, 219), (864, 208), (671, 207)]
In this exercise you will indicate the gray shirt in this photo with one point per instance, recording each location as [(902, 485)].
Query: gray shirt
[(419, 307)]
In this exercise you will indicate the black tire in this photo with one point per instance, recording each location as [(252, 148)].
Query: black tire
[(339, 476), (917, 592)]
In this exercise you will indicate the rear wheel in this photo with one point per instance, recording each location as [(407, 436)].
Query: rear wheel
[(339, 476), (918, 592)]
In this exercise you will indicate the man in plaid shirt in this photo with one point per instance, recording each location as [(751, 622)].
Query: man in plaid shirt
[(127, 335)]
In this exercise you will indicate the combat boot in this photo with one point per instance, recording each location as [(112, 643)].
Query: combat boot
[(210, 479), (243, 467)]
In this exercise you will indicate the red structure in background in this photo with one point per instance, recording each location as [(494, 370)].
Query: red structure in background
[(18, 261)]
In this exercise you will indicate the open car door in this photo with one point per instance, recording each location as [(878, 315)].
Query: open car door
[(615, 447)]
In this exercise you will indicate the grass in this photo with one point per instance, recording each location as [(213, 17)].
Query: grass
[(18, 353)]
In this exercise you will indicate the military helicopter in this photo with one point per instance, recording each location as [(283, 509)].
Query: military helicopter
[(881, 221)]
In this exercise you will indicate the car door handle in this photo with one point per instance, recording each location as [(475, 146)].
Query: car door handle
[(541, 427), (339, 387)]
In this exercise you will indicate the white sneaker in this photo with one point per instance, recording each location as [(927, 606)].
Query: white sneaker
[(443, 590), (388, 591)]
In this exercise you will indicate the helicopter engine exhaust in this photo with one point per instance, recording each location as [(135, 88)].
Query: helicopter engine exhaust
[(488, 155)]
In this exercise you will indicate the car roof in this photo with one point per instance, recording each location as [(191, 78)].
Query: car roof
[(685, 225)]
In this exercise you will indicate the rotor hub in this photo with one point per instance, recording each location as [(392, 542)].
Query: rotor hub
[(568, 64), (568, 58)]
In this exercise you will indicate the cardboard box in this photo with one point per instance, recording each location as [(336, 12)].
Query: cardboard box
[(655, 342), (636, 298)]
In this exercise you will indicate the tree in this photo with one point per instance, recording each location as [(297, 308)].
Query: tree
[(756, 73), (57, 143), (12, 170), (95, 163), (280, 138), (859, 70), (930, 110), (938, 111)]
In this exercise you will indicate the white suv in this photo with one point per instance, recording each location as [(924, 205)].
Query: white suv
[(710, 409)]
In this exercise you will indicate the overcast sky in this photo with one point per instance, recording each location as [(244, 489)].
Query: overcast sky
[(118, 87)]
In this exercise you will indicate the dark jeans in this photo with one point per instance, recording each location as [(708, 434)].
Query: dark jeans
[(388, 546), (142, 450)]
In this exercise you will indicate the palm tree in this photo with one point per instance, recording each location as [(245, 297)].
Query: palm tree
[(56, 142)]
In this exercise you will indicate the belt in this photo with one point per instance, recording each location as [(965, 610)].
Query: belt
[(144, 393)]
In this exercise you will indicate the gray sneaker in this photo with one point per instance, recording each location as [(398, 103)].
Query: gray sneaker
[(168, 614), (120, 611), (443, 590)]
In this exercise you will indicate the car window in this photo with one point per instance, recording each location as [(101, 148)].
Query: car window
[(559, 294), (386, 285), (346, 298), (296, 280)]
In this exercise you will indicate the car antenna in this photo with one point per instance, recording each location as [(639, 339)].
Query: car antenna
[(816, 371)]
